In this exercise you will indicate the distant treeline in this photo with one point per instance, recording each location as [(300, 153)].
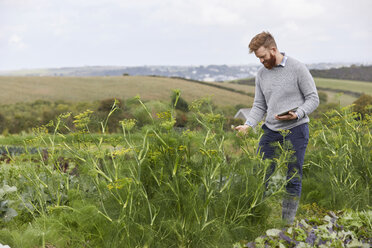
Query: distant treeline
[(359, 73)]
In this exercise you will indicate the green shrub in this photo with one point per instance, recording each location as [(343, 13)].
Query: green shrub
[(2, 123), (363, 105)]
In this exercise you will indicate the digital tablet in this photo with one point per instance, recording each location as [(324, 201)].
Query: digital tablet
[(287, 112)]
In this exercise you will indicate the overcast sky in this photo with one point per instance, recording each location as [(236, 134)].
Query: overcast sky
[(60, 33)]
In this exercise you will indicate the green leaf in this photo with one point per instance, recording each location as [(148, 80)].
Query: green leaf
[(10, 214), (273, 232), (356, 243), (7, 189)]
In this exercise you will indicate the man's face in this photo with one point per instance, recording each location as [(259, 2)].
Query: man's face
[(267, 57)]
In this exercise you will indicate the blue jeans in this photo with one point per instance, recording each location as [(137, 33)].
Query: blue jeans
[(298, 138)]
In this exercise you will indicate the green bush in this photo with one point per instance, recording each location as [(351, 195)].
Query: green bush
[(2, 123), (363, 105), (323, 97)]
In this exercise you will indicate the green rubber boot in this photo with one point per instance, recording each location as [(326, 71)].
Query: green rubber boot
[(289, 209)]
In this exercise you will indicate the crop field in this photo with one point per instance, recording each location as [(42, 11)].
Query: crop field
[(160, 186), (80, 89)]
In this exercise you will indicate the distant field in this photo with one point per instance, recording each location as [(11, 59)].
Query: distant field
[(338, 98), (242, 87), (75, 89), (346, 85), (322, 83), (349, 85)]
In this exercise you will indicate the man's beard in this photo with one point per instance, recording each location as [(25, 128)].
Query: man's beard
[(270, 63)]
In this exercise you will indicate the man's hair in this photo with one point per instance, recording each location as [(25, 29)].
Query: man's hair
[(264, 39)]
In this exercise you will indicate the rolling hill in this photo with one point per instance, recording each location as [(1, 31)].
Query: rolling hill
[(80, 89), (76, 89)]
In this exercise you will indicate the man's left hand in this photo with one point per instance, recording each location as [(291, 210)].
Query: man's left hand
[(290, 116)]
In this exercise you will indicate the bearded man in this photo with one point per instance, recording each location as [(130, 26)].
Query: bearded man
[(286, 92)]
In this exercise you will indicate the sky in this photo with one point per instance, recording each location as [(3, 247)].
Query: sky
[(64, 33)]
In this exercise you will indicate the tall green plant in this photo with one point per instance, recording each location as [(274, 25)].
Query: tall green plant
[(339, 169), (156, 186)]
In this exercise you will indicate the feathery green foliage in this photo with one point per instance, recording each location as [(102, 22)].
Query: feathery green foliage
[(159, 186)]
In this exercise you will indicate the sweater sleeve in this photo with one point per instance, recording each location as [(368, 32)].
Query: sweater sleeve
[(308, 89), (259, 106)]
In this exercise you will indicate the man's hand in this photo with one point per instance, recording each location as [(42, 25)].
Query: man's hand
[(242, 129), (290, 116)]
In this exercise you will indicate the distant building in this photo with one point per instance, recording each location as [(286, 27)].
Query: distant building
[(242, 114)]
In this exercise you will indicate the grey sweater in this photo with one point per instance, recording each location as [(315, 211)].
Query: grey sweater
[(280, 89)]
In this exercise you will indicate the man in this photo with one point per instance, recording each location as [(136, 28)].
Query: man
[(283, 84)]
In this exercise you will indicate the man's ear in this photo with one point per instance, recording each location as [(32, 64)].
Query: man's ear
[(273, 50)]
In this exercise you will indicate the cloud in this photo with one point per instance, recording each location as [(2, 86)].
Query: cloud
[(181, 31), (218, 15), (194, 12), (63, 24), (16, 42), (298, 9)]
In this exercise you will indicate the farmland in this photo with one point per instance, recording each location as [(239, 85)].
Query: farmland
[(75, 89), (77, 180), (80, 89), (355, 86)]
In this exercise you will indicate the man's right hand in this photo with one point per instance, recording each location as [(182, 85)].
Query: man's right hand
[(242, 129)]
